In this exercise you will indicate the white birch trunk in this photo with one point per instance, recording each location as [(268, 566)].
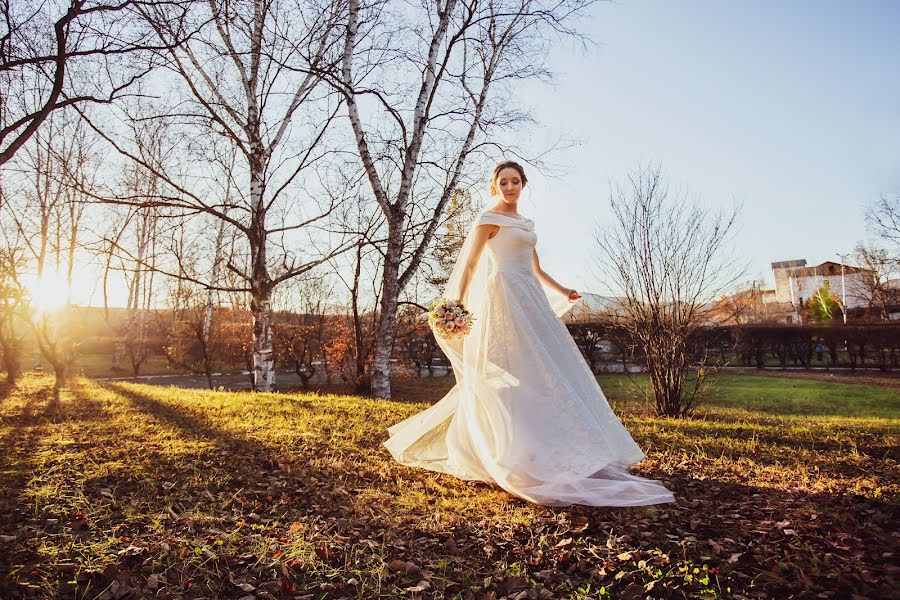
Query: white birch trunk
[(387, 320), (260, 284), (118, 353)]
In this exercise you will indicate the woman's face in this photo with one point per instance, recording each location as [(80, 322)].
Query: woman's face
[(509, 184)]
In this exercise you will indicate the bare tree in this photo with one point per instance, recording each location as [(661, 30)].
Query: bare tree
[(194, 341), (883, 219), (668, 260), (246, 84), (882, 257), (358, 271), (52, 52), (49, 208), (875, 286), (427, 87), (300, 330), (141, 225), (13, 309), (138, 228), (47, 213)]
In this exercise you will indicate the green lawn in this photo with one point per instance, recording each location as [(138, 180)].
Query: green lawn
[(99, 364), (785, 488), (786, 397)]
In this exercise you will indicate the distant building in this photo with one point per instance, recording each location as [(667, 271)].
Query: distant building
[(795, 282)]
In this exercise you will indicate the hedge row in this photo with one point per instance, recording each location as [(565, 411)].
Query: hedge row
[(761, 346)]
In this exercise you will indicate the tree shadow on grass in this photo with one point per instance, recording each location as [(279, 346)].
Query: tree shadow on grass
[(771, 542), (223, 481), (28, 426), (290, 518), (26, 429), (872, 442), (31, 427), (189, 425), (6, 389)]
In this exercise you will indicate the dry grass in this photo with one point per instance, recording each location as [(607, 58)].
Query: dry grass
[(785, 488)]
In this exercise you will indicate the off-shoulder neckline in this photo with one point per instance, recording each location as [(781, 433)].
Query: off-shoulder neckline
[(491, 212)]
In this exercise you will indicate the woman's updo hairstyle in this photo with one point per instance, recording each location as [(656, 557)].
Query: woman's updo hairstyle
[(506, 164)]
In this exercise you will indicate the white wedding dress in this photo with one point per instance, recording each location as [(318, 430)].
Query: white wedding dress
[(526, 412)]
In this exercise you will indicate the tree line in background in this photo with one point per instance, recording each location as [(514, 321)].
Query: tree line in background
[(605, 346), (210, 153), (264, 183)]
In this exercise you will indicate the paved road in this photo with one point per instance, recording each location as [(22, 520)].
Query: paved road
[(289, 379), (227, 381)]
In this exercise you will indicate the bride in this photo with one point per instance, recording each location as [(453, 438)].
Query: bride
[(526, 412)]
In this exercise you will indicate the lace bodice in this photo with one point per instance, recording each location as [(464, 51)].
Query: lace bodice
[(511, 250), (526, 412)]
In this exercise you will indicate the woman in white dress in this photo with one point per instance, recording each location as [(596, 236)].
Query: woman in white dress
[(526, 412)]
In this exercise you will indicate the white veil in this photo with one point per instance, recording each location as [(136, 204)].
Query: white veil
[(414, 440), (461, 352), (466, 432)]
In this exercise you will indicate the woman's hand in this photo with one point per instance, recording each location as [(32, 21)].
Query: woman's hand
[(573, 296)]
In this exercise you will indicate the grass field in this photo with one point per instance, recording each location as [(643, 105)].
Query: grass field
[(99, 365), (785, 488)]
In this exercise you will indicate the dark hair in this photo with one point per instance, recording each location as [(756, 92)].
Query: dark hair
[(506, 164)]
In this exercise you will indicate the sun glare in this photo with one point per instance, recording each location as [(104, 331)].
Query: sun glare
[(49, 292)]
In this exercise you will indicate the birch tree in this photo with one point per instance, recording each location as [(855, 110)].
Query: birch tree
[(428, 88), (52, 52), (247, 82)]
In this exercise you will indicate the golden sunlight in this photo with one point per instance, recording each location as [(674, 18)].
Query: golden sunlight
[(49, 292)]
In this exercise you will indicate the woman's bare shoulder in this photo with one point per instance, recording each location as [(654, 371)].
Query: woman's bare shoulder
[(490, 228)]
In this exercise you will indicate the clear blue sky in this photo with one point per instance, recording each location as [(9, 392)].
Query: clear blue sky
[(790, 108)]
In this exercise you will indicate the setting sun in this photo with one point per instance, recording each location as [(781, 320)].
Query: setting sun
[(49, 292)]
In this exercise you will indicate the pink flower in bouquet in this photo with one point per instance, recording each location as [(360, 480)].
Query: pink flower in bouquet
[(449, 319)]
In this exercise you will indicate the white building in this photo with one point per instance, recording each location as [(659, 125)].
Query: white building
[(795, 283)]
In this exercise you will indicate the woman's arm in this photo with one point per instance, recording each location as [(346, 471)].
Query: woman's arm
[(549, 281), (482, 234)]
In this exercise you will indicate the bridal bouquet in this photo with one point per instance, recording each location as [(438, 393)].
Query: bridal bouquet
[(449, 318)]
